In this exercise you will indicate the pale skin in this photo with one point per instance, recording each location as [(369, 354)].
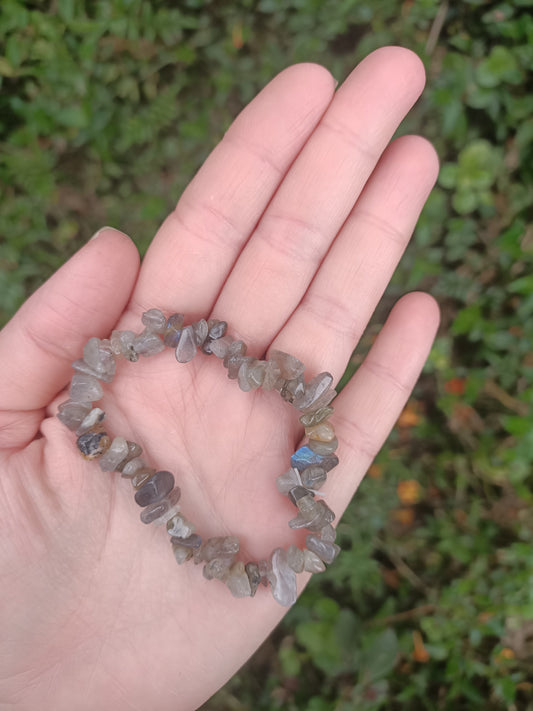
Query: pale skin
[(290, 232)]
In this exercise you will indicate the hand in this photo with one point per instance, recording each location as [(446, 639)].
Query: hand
[(289, 232)]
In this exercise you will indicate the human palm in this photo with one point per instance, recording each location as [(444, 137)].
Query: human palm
[(289, 232)]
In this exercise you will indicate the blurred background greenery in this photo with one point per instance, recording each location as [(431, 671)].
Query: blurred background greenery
[(106, 111)]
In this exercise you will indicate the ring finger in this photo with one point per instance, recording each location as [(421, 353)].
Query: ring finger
[(336, 308)]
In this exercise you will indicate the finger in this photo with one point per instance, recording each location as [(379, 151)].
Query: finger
[(195, 248), (337, 306), (310, 207), (84, 298), (368, 407)]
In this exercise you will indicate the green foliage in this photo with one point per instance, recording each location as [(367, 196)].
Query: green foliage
[(106, 111)]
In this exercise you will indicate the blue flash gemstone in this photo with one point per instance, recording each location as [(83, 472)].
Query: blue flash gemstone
[(304, 457)]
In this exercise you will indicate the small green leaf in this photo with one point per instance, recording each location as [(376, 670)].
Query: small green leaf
[(327, 609), (380, 659), (505, 689), (448, 175), (524, 285), (72, 116), (317, 703), (6, 69), (290, 661), (498, 67), (478, 164), (464, 202), (318, 639), (467, 319), (66, 9), (517, 426)]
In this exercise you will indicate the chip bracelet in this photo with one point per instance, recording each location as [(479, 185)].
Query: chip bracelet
[(155, 490)]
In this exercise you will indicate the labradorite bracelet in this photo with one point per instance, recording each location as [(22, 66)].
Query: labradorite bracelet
[(156, 492)]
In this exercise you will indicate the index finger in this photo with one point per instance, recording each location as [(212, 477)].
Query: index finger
[(197, 245)]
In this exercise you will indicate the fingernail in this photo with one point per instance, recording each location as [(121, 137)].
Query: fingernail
[(99, 231), (107, 227)]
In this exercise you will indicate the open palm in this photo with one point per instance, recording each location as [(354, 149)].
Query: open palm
[(290, 232)]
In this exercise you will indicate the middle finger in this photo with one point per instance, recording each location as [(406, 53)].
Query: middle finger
[(317, 194)]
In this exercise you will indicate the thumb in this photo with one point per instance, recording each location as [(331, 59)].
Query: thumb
[(84, 298)]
